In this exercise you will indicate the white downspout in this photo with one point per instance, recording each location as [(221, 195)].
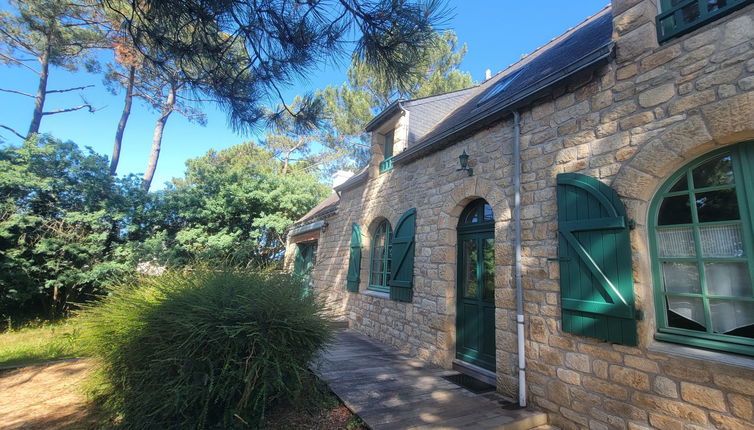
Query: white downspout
[(521, 335)]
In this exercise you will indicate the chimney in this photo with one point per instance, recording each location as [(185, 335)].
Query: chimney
[(340, 176), (487, 74)]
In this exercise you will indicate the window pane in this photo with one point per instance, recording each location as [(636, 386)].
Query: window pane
[(717, 205), (713, 5), (731, 317), (721, 241), (676, 242), (472, 216), (489, 270), (376, 270), (379, 251), (470, 265), (488, 213), (681, 278), (718, 171), (686, 313), (388, 144), (675, 210), (690, 12), (681, 185), (388, 263), (728, 279)]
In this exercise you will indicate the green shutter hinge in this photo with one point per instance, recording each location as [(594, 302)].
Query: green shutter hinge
[(559, 259), (631, 224)]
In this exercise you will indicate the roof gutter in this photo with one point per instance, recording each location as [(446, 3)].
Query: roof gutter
[(506, 106), (307, 228)]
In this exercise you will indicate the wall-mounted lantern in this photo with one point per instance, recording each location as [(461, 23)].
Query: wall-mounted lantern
[(464, 160)]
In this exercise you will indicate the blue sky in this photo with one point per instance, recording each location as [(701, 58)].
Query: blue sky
[(497, 33)]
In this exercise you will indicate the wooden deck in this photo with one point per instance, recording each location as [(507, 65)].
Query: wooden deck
[(389, 390)]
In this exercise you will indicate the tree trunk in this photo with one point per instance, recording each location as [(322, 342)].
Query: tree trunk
[(39, 104), (123, 121), (289, 153), (286, 161), (159, 127)]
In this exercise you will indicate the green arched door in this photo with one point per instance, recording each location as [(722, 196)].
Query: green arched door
[(475, 313)]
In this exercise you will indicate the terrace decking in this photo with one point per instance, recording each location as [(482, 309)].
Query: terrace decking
[(390, 390)]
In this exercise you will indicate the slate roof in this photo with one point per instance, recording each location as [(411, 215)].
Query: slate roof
[(427, 112), (323, 208), (583, 46), (439, 121)]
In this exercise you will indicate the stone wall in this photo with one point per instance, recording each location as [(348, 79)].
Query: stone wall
[(424, 327), (630, 124), (656, 108)]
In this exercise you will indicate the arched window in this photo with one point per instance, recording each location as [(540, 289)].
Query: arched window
[(702, 246), (382, 249), (476, 212)]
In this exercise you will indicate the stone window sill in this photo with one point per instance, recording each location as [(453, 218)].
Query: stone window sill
[(377, 294), (701, 354)]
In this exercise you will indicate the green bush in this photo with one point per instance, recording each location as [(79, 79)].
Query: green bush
[(209, 349), (63, 219)]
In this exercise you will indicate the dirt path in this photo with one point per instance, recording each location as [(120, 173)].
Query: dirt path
[(48, 397), (44, 397)]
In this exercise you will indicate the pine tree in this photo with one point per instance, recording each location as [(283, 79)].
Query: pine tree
[(166, 93), (55, 33), (240, 53)]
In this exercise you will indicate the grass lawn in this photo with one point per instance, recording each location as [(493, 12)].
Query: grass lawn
[(38, 343)]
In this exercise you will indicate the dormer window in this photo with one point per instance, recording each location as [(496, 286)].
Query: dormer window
[(683, 16), (387, 152)]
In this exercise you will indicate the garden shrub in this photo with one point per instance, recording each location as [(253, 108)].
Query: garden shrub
[(208, 349), (63, 220)]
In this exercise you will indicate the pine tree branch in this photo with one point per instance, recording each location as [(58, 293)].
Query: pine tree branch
[(28, 48), (86, 105), (18, 62), (197, 100), (13, 131), (282, 100), (16, 92), (69, 89)]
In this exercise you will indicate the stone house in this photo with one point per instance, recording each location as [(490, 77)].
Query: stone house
[(594, 256)]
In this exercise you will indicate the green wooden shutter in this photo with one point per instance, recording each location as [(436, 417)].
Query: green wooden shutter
[(596, 279), (298, 262), (402, 271), (354, 260)]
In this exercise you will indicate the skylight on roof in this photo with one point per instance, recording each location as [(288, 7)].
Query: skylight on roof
[(500, 86)]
